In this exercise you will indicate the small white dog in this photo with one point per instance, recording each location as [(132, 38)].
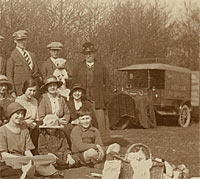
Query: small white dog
[(62, 75)]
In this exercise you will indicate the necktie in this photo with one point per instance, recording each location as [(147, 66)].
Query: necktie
[(28, 59)]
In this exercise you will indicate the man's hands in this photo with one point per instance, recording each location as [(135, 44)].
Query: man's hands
[(100, 152)]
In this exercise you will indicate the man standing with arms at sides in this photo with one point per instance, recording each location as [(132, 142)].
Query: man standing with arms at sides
[(2, 60), (93, 76), (21, 65)]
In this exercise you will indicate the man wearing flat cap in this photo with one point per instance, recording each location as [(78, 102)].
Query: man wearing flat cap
[(2, 60), (93, 76), (50, 65), (21, 65)]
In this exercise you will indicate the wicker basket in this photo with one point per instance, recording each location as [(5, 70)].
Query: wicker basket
[(156, 171)]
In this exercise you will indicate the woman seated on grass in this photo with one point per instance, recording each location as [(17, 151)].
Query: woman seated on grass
[(52, 141), (16, 146)]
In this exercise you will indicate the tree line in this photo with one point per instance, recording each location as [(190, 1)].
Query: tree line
[(123, 32)]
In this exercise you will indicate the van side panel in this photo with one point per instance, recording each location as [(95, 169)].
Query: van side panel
[(177, 87)]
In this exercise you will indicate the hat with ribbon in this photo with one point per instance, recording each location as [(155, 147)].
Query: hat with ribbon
[(51, 121), (14, 107), (88, 47), (55, 46), (20, 34), (49, 80), (4, 80)]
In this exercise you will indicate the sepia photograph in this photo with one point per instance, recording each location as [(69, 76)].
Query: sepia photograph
[(100, 89)]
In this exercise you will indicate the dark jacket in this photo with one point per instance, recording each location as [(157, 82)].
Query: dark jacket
[(101, 82), (73, 112), (48, 68), (2, 65), (84, 139), (18, 70), (56, 144)]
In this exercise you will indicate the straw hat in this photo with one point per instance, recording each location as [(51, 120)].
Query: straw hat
[(51, 121)]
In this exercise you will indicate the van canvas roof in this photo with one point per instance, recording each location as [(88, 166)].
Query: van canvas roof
[(154, 66)]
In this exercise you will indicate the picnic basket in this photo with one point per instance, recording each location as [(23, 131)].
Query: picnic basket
[(156, 171)]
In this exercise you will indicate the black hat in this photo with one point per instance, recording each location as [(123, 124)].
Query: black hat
[(75, 87), (88, 47), (14, 107)]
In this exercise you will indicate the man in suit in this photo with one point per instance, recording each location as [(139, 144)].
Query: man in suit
[(21, 65), (93, 76), (2, 60)]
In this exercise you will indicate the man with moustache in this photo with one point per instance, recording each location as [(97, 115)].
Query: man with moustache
[(21, 65)]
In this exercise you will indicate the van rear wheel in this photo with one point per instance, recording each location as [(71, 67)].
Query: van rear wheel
[(185, 116)]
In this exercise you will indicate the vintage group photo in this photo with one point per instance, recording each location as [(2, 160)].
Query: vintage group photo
[(106, 89)]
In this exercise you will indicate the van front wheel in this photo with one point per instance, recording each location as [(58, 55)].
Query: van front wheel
[(185, 116)]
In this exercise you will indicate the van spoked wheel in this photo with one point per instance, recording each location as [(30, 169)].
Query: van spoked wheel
[(185, 116)]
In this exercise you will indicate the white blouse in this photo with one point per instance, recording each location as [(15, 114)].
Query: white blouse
[(54, 104)]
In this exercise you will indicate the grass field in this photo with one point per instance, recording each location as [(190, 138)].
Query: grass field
[(174, 144)]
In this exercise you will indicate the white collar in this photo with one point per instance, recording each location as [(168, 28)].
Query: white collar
[(90, 64), (20, 50)]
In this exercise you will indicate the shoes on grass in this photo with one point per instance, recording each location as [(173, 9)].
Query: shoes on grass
[(28, 170)]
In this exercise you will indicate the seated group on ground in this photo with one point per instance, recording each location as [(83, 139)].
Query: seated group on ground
[(41, 137)]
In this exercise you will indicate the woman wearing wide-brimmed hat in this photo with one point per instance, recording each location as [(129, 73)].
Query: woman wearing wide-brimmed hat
[(53, 103), (77, 100), (5, 97), (16, 146), (53, 141)]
